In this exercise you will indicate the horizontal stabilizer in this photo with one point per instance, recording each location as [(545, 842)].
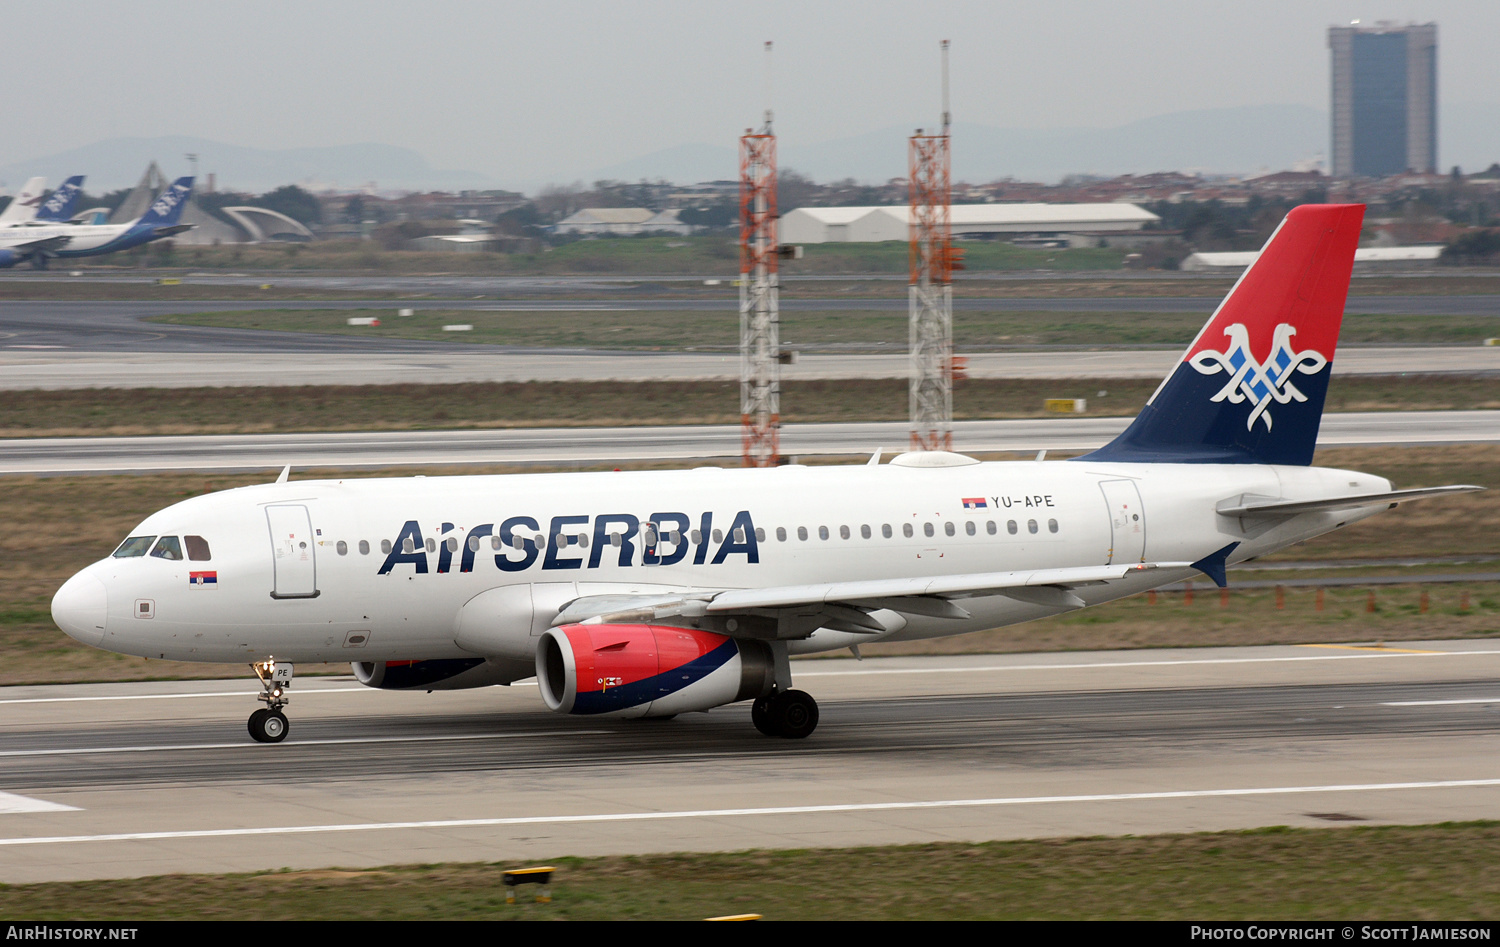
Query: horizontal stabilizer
[(1246, 505)]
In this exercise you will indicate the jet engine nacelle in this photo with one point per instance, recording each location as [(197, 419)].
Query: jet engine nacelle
[(648, 670), (9, 258), (449, 674)]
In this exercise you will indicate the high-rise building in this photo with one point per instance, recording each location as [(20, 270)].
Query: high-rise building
[(1384, 98)]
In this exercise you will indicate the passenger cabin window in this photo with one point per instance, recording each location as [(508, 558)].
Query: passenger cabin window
[(1031, 525), (843, 532), (970, 528), (822, 532), (802, 533), (885, 530), (197, 548), (342, 547), (168, 548), (364, 547), (948, 528), (1010, 527), (133, 547), (906, 530), (927, 529), (781, 534), (385, 546), (989, 527)]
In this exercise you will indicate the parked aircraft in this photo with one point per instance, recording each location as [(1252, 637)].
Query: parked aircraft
[(659, 593), (42, 242), (23, 206)]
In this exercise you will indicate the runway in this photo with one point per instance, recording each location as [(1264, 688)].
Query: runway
[(613, 445), (61, 369), (143, 778)]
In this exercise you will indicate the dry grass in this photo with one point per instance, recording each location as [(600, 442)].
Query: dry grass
[(1448, 872), (119, 412)]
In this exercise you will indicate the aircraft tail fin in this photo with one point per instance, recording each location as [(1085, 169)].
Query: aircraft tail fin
[(59, 207), (1250, 387), (23, 206), (167, 209)]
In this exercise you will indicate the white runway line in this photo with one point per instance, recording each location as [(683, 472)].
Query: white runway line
[(943, 669), (73, 700), (12, 804), (1139, 664), (350, 741), (730, 813), (1434, 703)]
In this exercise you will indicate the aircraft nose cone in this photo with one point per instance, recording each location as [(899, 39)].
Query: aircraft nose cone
[(80, 606)]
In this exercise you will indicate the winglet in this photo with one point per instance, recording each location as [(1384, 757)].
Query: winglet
[(1213, 565)]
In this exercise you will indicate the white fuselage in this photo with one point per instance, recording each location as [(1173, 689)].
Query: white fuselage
[(296, 567)]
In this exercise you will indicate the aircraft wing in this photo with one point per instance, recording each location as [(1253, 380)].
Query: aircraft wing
[(847, 604), (41, 245), (891, 593), (1249, 505)]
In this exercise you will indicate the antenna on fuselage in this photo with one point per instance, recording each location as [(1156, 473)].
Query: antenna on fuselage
[(285, 473)]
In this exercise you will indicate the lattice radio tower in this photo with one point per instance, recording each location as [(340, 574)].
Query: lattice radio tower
[(933, 260), (760, 330)]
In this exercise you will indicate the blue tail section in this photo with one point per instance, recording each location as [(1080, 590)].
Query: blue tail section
[(59, 207), (1250, 388), (167, 209)]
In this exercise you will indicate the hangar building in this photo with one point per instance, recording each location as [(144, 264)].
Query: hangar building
[(875, 224)]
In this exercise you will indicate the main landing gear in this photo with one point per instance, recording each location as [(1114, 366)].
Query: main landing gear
[(790, 714), (269, 724)]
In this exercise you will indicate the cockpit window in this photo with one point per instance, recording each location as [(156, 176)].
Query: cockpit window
[(134, 546), (197, 548), (168, 548)]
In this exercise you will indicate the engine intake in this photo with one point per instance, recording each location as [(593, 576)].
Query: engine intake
[(648, 670)]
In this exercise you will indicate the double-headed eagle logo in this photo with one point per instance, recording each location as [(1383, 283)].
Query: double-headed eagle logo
[(1251, 381)]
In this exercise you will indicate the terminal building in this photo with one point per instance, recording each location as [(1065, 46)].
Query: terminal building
[(1066, 224), (1384, 99)]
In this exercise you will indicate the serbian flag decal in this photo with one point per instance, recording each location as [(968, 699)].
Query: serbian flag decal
[(203, 580), (975, 503)]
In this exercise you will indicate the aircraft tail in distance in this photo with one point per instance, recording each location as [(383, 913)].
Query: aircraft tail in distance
[(166, 211), (59, 207), (23, 206), (1250, 387)]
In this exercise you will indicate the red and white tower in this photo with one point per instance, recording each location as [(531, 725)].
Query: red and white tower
[(932, 261), (760, 330)]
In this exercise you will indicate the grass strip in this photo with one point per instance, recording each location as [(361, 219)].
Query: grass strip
[(1447, 872), (313, 408)]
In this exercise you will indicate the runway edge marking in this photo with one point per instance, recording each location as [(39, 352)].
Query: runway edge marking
[(729, 813)]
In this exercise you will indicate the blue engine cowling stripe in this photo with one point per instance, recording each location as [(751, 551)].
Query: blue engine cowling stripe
[(654, 688)]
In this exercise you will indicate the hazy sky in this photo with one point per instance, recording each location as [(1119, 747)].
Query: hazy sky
[(535, 92)]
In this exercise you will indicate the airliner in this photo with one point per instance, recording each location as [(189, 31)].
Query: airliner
[(655, 593), (41, 242)]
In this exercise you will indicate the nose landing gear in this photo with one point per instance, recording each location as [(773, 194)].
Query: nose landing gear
[(269, 724)]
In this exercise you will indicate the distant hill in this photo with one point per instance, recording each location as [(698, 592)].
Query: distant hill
[(119, 162)]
